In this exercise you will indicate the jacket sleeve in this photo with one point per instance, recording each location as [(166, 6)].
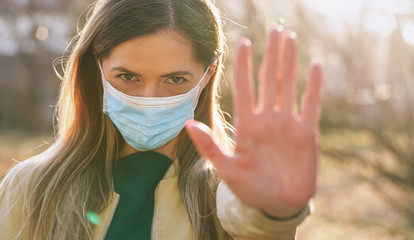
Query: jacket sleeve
[(246, 223), (12, 201)]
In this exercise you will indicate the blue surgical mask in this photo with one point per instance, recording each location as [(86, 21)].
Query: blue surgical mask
[(148, 123)]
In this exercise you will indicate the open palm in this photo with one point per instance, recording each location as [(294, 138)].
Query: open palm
[(273, 166)]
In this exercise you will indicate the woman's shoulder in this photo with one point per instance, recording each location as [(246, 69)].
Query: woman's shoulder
[(15, 188), (21, 174)]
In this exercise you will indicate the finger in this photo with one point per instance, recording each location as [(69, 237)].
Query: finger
[(243, 95), (290, 70), (281, 72), (311, 100), (202, 138), (269, 69)]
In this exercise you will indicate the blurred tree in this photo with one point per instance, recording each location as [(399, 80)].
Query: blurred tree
[(378, 100), (32, 34), (369, 86)]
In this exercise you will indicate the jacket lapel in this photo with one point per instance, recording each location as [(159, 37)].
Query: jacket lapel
[(170, 217)]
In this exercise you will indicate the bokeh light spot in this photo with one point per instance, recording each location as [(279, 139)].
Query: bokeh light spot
[(281, 21), (382, 92), (94, 218), (42, 33)]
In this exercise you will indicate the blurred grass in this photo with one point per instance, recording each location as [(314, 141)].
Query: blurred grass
[(347, 206)]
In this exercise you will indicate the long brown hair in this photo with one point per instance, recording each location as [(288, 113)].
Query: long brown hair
[(75, 176)]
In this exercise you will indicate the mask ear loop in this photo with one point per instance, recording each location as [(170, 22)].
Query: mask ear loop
[(205, 73), (103, 79), (200, 83), (101, 70)]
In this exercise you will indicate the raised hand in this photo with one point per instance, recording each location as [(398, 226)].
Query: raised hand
[(274, 164)]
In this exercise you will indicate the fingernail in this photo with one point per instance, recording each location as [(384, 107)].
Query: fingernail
[(280, 28), (245, 41), (189, 122), (316, 62), (276, 28)]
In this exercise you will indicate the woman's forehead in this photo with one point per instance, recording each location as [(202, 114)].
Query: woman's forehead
[(163, 50)]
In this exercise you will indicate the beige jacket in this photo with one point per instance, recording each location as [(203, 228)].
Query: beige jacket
[(170, 220)]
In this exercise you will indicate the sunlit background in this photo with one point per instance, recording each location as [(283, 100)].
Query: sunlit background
[(366, 181)]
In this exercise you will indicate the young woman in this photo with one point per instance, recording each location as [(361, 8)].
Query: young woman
[(130, 163)]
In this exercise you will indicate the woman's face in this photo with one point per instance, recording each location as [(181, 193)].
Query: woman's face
[(156, 65)]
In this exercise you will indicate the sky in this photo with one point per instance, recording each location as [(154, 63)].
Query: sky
[(379, 14)]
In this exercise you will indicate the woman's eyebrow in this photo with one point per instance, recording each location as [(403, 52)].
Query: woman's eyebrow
[(122, 69), (178, 73), (171, 74)]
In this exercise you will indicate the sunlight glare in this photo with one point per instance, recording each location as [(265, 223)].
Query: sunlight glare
[(379, 14), (392, 7), (408, 32), (383, 24), (208, 165)]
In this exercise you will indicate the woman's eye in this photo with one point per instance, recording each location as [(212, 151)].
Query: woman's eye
[(127, 76), (176, 80)]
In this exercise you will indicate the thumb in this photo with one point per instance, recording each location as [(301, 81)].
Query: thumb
[(201, 135)]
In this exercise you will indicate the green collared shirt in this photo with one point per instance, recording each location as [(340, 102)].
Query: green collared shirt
[(135, 178)]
